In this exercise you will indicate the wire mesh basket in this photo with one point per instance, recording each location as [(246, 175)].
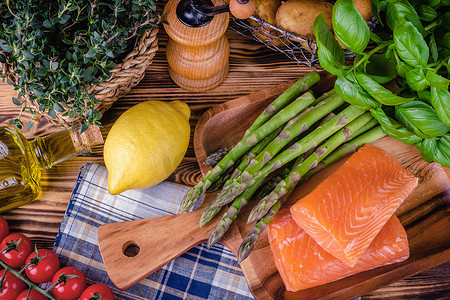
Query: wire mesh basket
[(301, 50)]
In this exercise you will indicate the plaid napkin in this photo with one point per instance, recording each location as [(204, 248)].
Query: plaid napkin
[(200, 273)]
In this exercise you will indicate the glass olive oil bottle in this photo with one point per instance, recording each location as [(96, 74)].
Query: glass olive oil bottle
[(21, 161)]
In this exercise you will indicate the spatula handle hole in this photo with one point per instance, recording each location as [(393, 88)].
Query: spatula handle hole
[(131, 249)]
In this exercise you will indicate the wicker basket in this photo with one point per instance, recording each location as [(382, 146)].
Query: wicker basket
[(124, 77)]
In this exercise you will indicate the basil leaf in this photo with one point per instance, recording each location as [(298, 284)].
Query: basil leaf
[(376, 7), (410, 45), (416, 79), (440, 99), (403, 69), (403, 10), (421, 119), (349, 26), (381, 68), (446, 19), (437, 150), (433, 47), (354, 94), (425, 96), (437, 80), (427, 13), (432, 3), (331, 55), (394, 130), (380, 93)]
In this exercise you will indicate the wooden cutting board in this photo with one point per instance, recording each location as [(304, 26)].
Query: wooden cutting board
[(425, 215)]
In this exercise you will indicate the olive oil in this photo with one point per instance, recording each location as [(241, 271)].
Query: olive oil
[(21, 161)]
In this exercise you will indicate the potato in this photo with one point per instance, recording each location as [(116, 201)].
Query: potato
[(365, 8), (297, 16), (267, 9)]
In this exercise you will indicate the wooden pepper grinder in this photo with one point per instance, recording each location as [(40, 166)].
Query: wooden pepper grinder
[(198, 50)]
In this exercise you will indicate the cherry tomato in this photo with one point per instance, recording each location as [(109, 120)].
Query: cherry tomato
[(34, 295), (15, 258), (69, 289), (4, 228), (97, 291), (43, 270), (12, 286)]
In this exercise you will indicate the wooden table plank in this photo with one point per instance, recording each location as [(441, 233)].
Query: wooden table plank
[(252, 67)]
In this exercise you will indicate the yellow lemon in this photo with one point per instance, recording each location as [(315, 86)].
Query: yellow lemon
[(146, 144)]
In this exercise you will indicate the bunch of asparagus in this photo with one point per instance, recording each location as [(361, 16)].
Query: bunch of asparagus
[(292, 139)]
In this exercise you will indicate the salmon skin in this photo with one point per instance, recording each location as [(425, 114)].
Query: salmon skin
[(345, 212), (302, 263)]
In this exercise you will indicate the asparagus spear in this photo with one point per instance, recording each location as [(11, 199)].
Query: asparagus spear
[(210, 211), (250, 240), (308, 142), (366, 138), (350, 147), (295, 90), (283, 116), (311, 162), (301, 125), (234, 209), (253, 152), (230, 214), (290, 132)]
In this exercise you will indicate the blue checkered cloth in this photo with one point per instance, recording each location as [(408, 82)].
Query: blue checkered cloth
[(200, 273)]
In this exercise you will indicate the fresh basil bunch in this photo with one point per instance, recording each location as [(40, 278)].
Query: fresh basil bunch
[(411, 53), (59, 48)]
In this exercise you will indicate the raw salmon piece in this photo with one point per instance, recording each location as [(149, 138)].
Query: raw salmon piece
[(347, 210), (302, 263)]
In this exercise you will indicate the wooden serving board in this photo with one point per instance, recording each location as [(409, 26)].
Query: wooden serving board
[(425, 215)]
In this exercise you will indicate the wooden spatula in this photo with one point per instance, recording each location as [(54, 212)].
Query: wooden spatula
[(159, 240)]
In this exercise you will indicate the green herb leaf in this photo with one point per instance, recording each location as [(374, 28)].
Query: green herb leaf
[(378, 92), (379, 67), (403, 69), (52, 113), (57, 107), (47, 24), (421, 119), (394, 130), (437, 150), (410, 45), (331, 55), (416, 79), (90, 53), (349, 26), (377, 6), (354, 94), (5, 46), (427, 13), (440, 99), (399, 11), (29, 125), (64, 19), (437, 80), (84, 126)]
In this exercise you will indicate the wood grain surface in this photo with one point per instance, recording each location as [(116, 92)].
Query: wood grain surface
[(253, 67)]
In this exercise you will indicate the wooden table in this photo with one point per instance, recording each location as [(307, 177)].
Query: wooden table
[(252, 67)]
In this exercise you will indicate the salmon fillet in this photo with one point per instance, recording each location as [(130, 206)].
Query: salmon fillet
[(302, 263), (345, 212)]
